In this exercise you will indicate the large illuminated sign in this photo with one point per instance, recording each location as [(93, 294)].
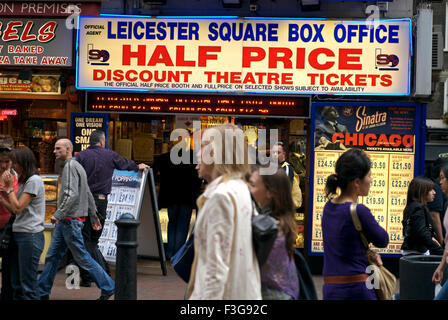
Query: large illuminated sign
[(293, 56), (291, 107)]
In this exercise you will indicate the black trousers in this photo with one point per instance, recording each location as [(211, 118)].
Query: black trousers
[(6, 291), (91, 237)]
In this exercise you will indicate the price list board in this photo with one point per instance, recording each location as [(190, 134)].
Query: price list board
[(123, 199), (387, 135)]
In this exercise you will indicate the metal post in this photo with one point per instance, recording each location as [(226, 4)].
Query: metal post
[(126, 268)]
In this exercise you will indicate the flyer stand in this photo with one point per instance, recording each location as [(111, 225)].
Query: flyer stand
[(134, 193)]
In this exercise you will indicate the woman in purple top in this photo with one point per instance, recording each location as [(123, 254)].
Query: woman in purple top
[(345, 261), (279, 279)]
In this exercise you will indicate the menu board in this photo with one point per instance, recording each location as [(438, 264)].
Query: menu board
[(387, 134), (133, 193)]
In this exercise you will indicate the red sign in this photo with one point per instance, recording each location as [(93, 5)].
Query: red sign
[(49, 9), (8, 112)]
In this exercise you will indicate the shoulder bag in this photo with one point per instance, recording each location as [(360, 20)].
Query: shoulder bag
[(183, 259), (6, 236), (264, 233), (387, 280)]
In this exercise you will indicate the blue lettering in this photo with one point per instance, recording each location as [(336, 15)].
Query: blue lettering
[(272, 32), (183, 31), (150, 27), (261, 31), (362, 32), (249, 34), (194, 30), (161, 31), (306, 37), (293, 33), (172, 26), (110, 35), (393, 34), (213, 32), (338, 38), (225, 31), (240, 28), (318, 35), (121, 30), (138, 35), (351, 32), (377, 34)]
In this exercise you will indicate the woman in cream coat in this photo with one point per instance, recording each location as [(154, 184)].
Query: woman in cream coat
[(225, 265)]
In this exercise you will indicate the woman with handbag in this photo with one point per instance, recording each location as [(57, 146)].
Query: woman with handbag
[(418, 231), (345, 261), (6, 219), (28, 238), (225, 265), (272, 192), (438, 274)]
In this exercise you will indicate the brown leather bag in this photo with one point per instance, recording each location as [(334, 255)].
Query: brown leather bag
[(386, 280)]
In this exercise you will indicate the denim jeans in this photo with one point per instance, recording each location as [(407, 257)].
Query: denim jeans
[(25, 258), (443, 293), (67, 234), (179, 216)]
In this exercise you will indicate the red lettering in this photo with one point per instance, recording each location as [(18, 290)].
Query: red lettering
[(11, 33), (47, 31), (248, 58), (204, 54), (128, 54), (285, 57), (345, 56), (180, 58), (160, 55), (26, 36), (313, 59)]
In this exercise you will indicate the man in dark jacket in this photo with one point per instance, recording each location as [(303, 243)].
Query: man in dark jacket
[(179, 189), (99, 164)]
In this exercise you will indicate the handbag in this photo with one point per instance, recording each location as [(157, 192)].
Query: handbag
[(183, 259), (387, 281), (6, 236), (264, 233)]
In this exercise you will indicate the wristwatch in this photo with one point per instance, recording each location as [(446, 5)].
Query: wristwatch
[(9, 191)]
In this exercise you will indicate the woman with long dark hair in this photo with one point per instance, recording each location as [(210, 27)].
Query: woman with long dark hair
[(345, 260), (272, 192), (418, 230), (29, 208)]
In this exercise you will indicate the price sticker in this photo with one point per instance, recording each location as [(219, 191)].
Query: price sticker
[(127, 196)]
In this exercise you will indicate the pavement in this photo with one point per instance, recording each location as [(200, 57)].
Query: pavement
[(151, 284)]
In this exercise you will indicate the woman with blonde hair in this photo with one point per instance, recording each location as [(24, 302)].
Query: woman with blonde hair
[(225, 265)]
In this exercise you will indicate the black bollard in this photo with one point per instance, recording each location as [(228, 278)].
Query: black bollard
[(126, 267)]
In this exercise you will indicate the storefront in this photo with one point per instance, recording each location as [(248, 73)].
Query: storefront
[(154, 75), (37, 74)]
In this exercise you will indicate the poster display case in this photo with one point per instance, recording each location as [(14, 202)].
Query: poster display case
[(391, 134)]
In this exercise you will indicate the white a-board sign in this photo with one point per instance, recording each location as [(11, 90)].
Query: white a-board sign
[(133, 193)]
